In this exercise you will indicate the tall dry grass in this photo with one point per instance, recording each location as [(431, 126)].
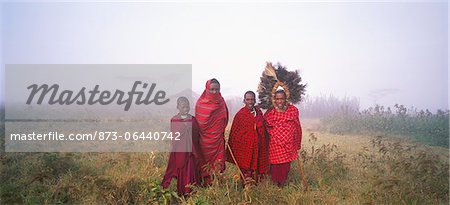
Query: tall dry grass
[(385, 171)]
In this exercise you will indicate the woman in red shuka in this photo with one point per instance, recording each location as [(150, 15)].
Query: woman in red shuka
[(248, 141), (212, 116), (185, 154), (283, 126)]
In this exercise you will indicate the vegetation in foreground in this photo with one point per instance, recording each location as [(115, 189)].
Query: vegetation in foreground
[(339, 168), (386, 171)]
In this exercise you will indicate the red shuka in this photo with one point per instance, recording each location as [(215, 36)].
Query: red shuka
[(285, 134), (182, 164), (212, 116), (248, 141)]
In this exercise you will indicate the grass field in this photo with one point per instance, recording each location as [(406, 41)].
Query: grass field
[(340, 169)]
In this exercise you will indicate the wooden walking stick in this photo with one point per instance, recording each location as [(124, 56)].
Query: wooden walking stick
[(235, 162), (302, 175)]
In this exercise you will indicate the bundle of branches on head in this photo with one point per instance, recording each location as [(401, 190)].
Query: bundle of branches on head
[(279, 78)]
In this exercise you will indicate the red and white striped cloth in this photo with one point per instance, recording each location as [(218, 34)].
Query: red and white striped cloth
[(212, 116)]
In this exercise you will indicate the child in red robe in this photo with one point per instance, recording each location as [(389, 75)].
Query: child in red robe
[(185, 156)]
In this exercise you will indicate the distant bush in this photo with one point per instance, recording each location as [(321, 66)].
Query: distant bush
[(422, 126), (324, 106)]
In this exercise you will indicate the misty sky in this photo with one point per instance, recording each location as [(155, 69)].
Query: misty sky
[(383, 53)]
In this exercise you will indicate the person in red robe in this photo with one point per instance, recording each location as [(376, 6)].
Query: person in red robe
[(185, 154), (248, 142), (283, 126), (212, 116)]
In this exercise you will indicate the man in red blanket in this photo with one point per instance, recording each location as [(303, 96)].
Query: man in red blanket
[(283, 126), (248, 141), (212, 116), (185, 155)]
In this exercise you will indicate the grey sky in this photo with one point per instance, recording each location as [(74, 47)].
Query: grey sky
[(382, 53)]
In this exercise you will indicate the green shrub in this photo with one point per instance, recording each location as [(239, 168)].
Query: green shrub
[(422, 126)]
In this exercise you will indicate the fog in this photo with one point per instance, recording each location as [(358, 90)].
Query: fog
[(380, 53)]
